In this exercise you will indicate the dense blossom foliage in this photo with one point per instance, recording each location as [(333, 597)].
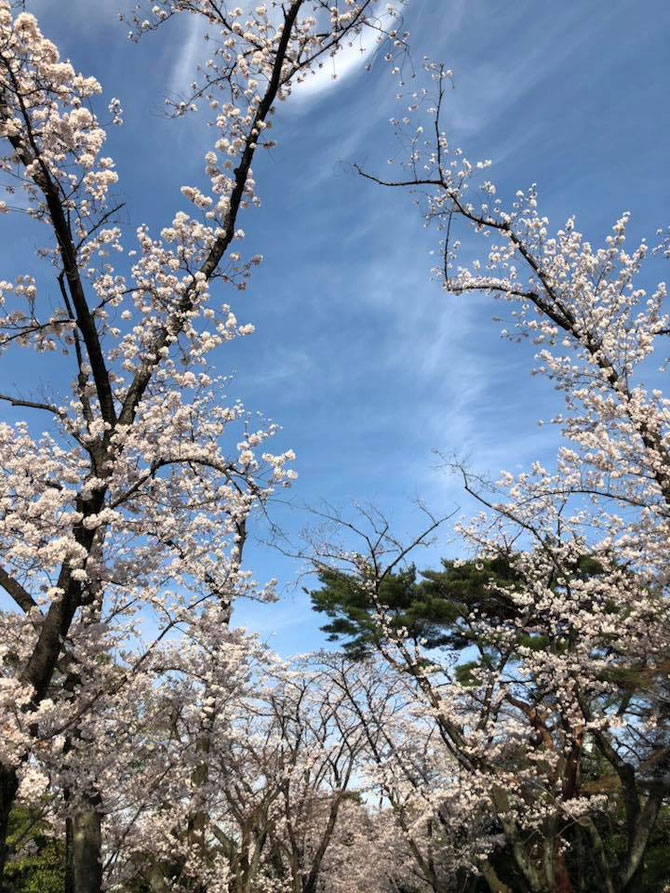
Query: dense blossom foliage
[(568, 662), (503, 721), (123, 524)]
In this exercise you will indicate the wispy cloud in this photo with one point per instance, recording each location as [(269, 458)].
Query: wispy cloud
[(349, 60), (331, 72), (192, 49), (90, 15), (487, 88)]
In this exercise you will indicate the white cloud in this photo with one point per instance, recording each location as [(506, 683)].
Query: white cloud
[(350, 59), (184, 70), (330, 73)]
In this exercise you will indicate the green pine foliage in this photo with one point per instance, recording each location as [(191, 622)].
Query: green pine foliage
[(434, 606), (38, 861)]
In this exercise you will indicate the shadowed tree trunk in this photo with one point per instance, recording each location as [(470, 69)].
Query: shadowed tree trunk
[(492, 879), (84, 844), (8, 787)]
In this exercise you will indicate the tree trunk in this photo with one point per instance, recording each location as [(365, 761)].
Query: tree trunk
[(156, 879), (639, 839), (84, 858), (562, 879), (492, 879), (8, 787), (524, 859), (597, 853), (69, 854)]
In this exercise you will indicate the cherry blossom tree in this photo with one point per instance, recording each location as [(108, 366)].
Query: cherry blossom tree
[(576, 664), (173, 753), (280, 750), (559, 674), (312, 744), (129, 511), (428, 831)]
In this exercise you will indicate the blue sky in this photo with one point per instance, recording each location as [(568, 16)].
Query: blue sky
[(363, 360)]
